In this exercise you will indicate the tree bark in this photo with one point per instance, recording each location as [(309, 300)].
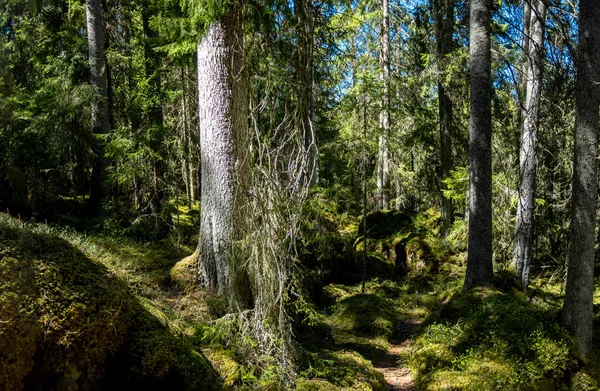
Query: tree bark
[(528, 158), (305, 74), (444, 28), (383, 166), (222, 113), (99, 109), (479, 253), (578, 303)]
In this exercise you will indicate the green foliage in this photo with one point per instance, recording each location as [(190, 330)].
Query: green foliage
[(485, 339)]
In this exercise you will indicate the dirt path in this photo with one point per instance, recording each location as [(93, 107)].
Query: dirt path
[(396, 375)]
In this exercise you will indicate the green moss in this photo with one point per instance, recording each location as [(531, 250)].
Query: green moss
[(485, 339), (368, 314), (68, 322), (183, 274), (315, 385)]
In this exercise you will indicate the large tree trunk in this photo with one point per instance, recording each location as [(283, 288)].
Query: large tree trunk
[(305, 74), (383, 164), (528, 159), (479, 256), (222, 113), (577, 309), (99, 109), (444, 28)]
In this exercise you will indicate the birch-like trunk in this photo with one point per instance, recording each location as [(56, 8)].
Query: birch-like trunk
[(383, 160), (479, 253), (523, 252), (99, 109), (578, 304), (222, 114)]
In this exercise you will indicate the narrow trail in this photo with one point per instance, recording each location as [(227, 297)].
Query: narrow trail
[(396, 375)]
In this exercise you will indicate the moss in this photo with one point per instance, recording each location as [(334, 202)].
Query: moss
[(368, 314), (223, 361), (183, 274), (384, 224), (68, 322), (315, 385), (486, 339), (68, 307)]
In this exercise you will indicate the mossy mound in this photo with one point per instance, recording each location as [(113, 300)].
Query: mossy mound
[(368, 314), (66, 322), (486, 339), (183, 274), (384, 224)]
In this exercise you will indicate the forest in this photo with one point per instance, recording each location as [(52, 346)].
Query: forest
[(299, 195)]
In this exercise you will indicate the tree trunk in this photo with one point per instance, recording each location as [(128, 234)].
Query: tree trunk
[(305, 73), (155, 118), (444, 28), (527, 159), (383, 166), (222, 114), (577, 308), (479, 253), (99, 109)]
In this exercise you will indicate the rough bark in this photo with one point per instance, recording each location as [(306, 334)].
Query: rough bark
[(305, 74), (479, 253), (383, 166), (99, 109), (578, 303), (444, 27), (222, 114), (523, 252)]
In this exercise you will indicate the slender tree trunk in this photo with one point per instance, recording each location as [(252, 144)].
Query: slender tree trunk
[(479, 256), (223, 126), (305, 74), (155, 116), (383, 166), (99, 109), (528, 158), (577, 308), (444, 28)]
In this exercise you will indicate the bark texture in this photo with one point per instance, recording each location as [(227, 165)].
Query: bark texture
[(578, 304), (479, 253), (98, 79), (383, 164), (523, 252), (306, 113), (444, 28), (222, 112)]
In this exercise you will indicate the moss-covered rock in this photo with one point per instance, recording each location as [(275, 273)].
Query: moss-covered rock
[(184, 273), (384, 224), (66, 321), (62, 312)]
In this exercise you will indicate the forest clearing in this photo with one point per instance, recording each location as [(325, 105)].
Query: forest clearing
[(299, 195)]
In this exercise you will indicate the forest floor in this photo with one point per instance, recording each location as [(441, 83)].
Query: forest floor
[(396, 373), (417, 332)]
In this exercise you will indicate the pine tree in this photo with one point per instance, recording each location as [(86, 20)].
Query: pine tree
[(479, 257), (579, 291)]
